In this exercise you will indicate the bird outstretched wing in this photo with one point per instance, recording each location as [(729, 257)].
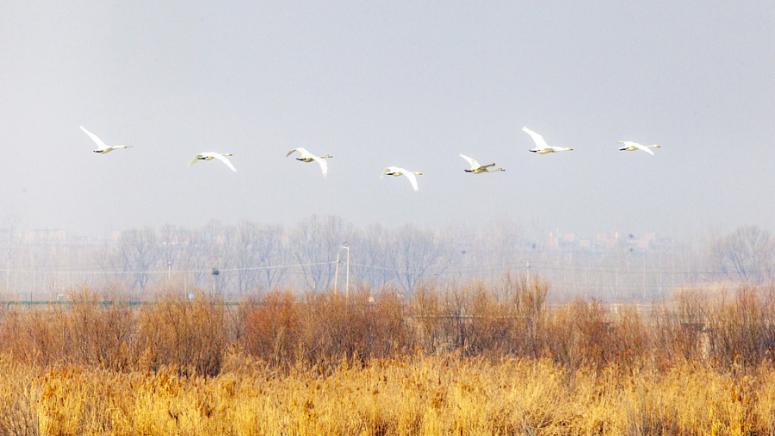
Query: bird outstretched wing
[(323, 164), (644, 148), (94, 138), (225, 161), (637, 146), (471, 161), (539, 140), (412, 179), (301, 150)]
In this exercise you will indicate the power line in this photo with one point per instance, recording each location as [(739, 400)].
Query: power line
[(165, 271), (540, 267)]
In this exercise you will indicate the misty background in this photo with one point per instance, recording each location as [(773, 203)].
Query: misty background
[(386, 83)]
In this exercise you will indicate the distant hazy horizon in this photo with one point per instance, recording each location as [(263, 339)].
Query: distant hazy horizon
[(396, 83)]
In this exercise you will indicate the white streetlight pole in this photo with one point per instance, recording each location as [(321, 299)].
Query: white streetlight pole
[(527, 270), (344, 246), (347, 275), (336, 274)]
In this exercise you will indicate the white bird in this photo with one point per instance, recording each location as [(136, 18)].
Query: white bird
[(102, 147), (478, 168), (541, 147), (398, 172), (307, 157), (210, 155), (634, 146)]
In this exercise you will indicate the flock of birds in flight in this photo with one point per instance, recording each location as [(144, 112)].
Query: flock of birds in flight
[(303, 155)]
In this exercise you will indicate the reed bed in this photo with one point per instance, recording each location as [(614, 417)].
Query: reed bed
[(469, 360)]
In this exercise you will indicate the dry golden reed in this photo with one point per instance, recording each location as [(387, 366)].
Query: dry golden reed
[(418, 395), (469, 360)]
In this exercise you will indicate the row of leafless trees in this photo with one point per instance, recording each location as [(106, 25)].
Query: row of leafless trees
[(236, 261), (255, 257)]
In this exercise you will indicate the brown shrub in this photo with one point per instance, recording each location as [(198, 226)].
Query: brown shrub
[(190, 335), (283, 329), (742, 331), (271, 328), (87, 332)]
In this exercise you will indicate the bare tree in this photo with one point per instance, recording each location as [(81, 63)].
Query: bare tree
[(242, 254), (172, 244), (315, 244), (137, 254), (374, 252), (272, 249), (748, 253), (418, 254), (198, 252), (9, 253), (256, 253)]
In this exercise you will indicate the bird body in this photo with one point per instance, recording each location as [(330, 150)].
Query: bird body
[(541, 147), (102, 148), (211, 155), (634, 146), (410, 175), (305, 156), (477, 168)]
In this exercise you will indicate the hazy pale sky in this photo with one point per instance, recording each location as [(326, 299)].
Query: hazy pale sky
[(388, 83)]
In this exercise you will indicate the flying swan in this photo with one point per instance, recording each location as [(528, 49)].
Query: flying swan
[(477, 168), (634, 146), (210, 155), (103, 148), (305, 156), (541, 147), (410, 175)]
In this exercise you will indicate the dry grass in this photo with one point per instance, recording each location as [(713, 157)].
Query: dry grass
[(468, 360), (420, 395)]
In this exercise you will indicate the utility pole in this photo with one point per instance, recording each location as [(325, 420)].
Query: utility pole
[(34, 275), (643, 281), (344, 246), (347, 276), (215, 274), (527, 269), (336, 273)]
